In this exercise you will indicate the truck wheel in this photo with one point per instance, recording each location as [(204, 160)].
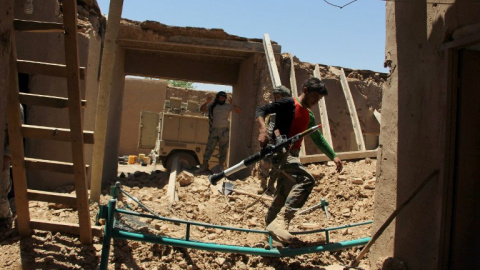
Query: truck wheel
[(185, 161)]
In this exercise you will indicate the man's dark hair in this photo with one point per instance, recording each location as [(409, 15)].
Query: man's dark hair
[(221, 93), (315, 85)]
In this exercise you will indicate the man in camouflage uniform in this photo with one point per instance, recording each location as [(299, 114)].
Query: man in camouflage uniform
[(219, 132), (295, 183), (267, 182)]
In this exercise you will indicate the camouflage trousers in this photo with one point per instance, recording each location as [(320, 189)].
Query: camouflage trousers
[(291, 192), (222, 137), (5, 186)]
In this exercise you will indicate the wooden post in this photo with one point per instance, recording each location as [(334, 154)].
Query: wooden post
[(105, 87), (76, 121), (353, 112), (13, 117), (323, 112), (172, 180), (6, 30), (16, 146), (272, 65)]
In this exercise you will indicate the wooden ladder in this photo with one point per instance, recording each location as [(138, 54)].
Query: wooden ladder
[(17, 131)]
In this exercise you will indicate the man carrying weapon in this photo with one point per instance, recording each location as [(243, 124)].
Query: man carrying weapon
[(267, 182), (294, 183)]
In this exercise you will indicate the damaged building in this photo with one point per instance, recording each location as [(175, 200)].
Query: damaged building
[(427, 105)]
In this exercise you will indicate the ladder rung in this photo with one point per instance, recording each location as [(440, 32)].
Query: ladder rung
[(42, 68), (36, 26), (54, 197), (64, 227), (51, 133), (50, 165), (46, 101)]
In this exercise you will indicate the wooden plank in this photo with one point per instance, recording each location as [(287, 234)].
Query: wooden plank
[(63, 227), (5, 30), (54, 197), (48, 69), (52, 133), (342, 156), (461, 42), (75, 117), (272, 64), (378, 116), (295, 93), (293, 79), (46, 101), (36, 26), (50, 165), (17, 150), (39, 27), (322, 107), (353, 112), (172, 180), (105, 87)]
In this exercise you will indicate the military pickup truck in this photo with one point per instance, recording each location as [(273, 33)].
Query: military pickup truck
[(181, 131)]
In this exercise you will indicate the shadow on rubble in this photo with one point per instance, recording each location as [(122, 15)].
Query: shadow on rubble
[(158, 179), (47, 250)]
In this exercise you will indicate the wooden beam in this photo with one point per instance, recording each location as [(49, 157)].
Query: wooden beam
[(17, 150), (171, 194), (322, 107), (378, 116), (50, 165), (181, 53), (48, 69), (103, 101), (342, 156), (353, 112), (462, 42), (39, 27), (187, 43), (6, 28), (295, 93), (52, 133), (63, 227), (36, 26), (46, 101), (54, 197), (75, 117), (272, 64)]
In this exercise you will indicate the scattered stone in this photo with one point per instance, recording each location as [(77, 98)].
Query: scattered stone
[(342, 178), (357, 181), (220, 261), (185, 178)]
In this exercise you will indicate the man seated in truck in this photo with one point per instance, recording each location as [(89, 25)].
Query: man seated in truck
[(219, 127)]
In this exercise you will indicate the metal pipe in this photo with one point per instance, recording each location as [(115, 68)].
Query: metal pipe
[(237, 249), (107, 236)]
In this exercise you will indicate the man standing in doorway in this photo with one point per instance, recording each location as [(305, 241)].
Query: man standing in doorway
[(219, 127), (295, 183)]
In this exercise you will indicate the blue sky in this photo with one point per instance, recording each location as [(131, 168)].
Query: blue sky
[(312, 30)]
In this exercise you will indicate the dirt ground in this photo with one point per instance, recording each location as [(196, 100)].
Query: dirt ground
[(349, 194)]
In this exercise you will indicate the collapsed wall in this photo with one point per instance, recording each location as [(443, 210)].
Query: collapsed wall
[(366, 89)]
